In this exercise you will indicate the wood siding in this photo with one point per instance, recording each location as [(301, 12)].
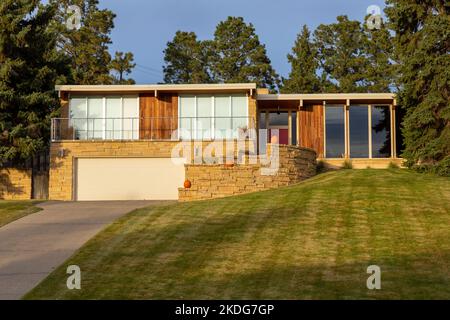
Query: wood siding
[(311, 128), (159, 116)]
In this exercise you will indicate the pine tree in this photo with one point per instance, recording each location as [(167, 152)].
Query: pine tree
[(87, 46), (342, 58), (30, 66), (122, 65), (238, 56), (303, 77), (186, 59), (422, 44), (381, 68)]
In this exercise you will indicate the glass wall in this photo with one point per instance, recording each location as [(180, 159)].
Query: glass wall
[(335, 131), (359, 131), (381, 132), (111, 117), (212, 117)]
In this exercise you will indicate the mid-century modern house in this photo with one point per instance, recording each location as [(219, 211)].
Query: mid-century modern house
[(117, 142)]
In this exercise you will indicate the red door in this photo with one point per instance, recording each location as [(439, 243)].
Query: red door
[(282, 134)]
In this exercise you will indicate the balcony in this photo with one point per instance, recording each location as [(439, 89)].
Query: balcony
[(155, 128)]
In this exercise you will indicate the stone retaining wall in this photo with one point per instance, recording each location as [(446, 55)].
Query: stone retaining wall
[(15, 184), (216, 181)]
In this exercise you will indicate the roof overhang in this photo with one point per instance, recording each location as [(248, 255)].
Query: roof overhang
[(157, 87), (329, 97)]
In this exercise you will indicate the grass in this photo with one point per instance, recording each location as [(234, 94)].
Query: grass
[(313, 240), (13, 210)]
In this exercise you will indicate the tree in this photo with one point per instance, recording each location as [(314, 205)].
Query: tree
[(30, 66), (122, 65), (342, 58), (86, 46), (381, 67), (422, 45), (238, 56), (303, 77), (186, 60)]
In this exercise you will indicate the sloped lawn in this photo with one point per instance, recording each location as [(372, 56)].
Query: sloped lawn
[(313, 240), (13, 210)]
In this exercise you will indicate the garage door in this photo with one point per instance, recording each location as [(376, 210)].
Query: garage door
[(128, 179)]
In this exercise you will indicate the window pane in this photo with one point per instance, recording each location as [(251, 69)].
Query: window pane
[(239, 106), (359, 132), (78, 116), (95, 118), (222, 113), (335, 131), (204, 117), (187, 117), (381, 132), (113, 118), (131, 118)]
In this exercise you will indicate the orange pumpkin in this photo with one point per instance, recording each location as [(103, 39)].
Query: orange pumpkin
[(274, 140), (187, 184)]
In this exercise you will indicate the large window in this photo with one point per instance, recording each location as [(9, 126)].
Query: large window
[(112, 117), (212, 117), (335, 131), (381, 132), (359, 131)]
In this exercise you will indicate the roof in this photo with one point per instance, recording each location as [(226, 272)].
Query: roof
[(327, 96), (157, 87)]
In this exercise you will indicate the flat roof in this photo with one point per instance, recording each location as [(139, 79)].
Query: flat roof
[(157, 87), (327, 96)]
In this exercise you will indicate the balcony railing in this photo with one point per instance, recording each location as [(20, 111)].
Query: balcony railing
[(154, 128)]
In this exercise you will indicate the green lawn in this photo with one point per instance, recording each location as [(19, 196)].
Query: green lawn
[(313, 240), (13, 210)]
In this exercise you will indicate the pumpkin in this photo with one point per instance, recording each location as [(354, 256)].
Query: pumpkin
[(187, 184), (274, 140)]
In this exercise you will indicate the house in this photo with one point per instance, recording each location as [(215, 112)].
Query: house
[(124, 142)]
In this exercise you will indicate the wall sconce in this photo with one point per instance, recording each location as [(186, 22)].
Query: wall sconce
[(61, 153)]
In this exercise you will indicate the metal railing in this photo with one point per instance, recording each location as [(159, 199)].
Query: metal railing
[(152, 128)]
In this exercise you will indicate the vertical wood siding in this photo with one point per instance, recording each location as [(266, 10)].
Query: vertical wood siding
[(311, 128), (159, 115)]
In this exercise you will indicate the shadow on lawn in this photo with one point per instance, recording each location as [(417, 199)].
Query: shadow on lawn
[(185, 259)]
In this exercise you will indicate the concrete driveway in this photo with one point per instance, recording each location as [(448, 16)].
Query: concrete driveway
[(32, 247)]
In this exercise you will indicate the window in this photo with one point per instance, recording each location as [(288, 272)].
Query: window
[(359, 131), (381, 132), (212, 117), (109, 117), (335, 131)]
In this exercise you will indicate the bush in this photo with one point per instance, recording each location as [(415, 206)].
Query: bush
[(393, 165), (347, 164), (321, 167)]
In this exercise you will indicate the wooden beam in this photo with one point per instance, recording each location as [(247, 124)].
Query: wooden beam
[(324, 130), (289, 127), (369, 107)]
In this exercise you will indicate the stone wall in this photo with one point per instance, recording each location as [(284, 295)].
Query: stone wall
[(15, 184), (216, 181), (63, 157)]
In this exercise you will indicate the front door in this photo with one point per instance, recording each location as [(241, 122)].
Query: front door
[(281, 133)]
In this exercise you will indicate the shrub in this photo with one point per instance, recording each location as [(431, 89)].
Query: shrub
[(393, 165), (347, 164)]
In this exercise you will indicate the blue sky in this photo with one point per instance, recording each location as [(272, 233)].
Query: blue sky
[(145, 26)]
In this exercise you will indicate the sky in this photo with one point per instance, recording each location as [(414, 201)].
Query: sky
[(145, 26)]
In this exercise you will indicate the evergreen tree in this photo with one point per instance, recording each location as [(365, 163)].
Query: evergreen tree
[(86, 46), (186, 59), (30, 66), (304, 65), (238, 56), (342, 58), (422, 44), (379, 50), (122, 65)]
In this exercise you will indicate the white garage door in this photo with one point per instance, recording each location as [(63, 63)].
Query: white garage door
[(128, 179)]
